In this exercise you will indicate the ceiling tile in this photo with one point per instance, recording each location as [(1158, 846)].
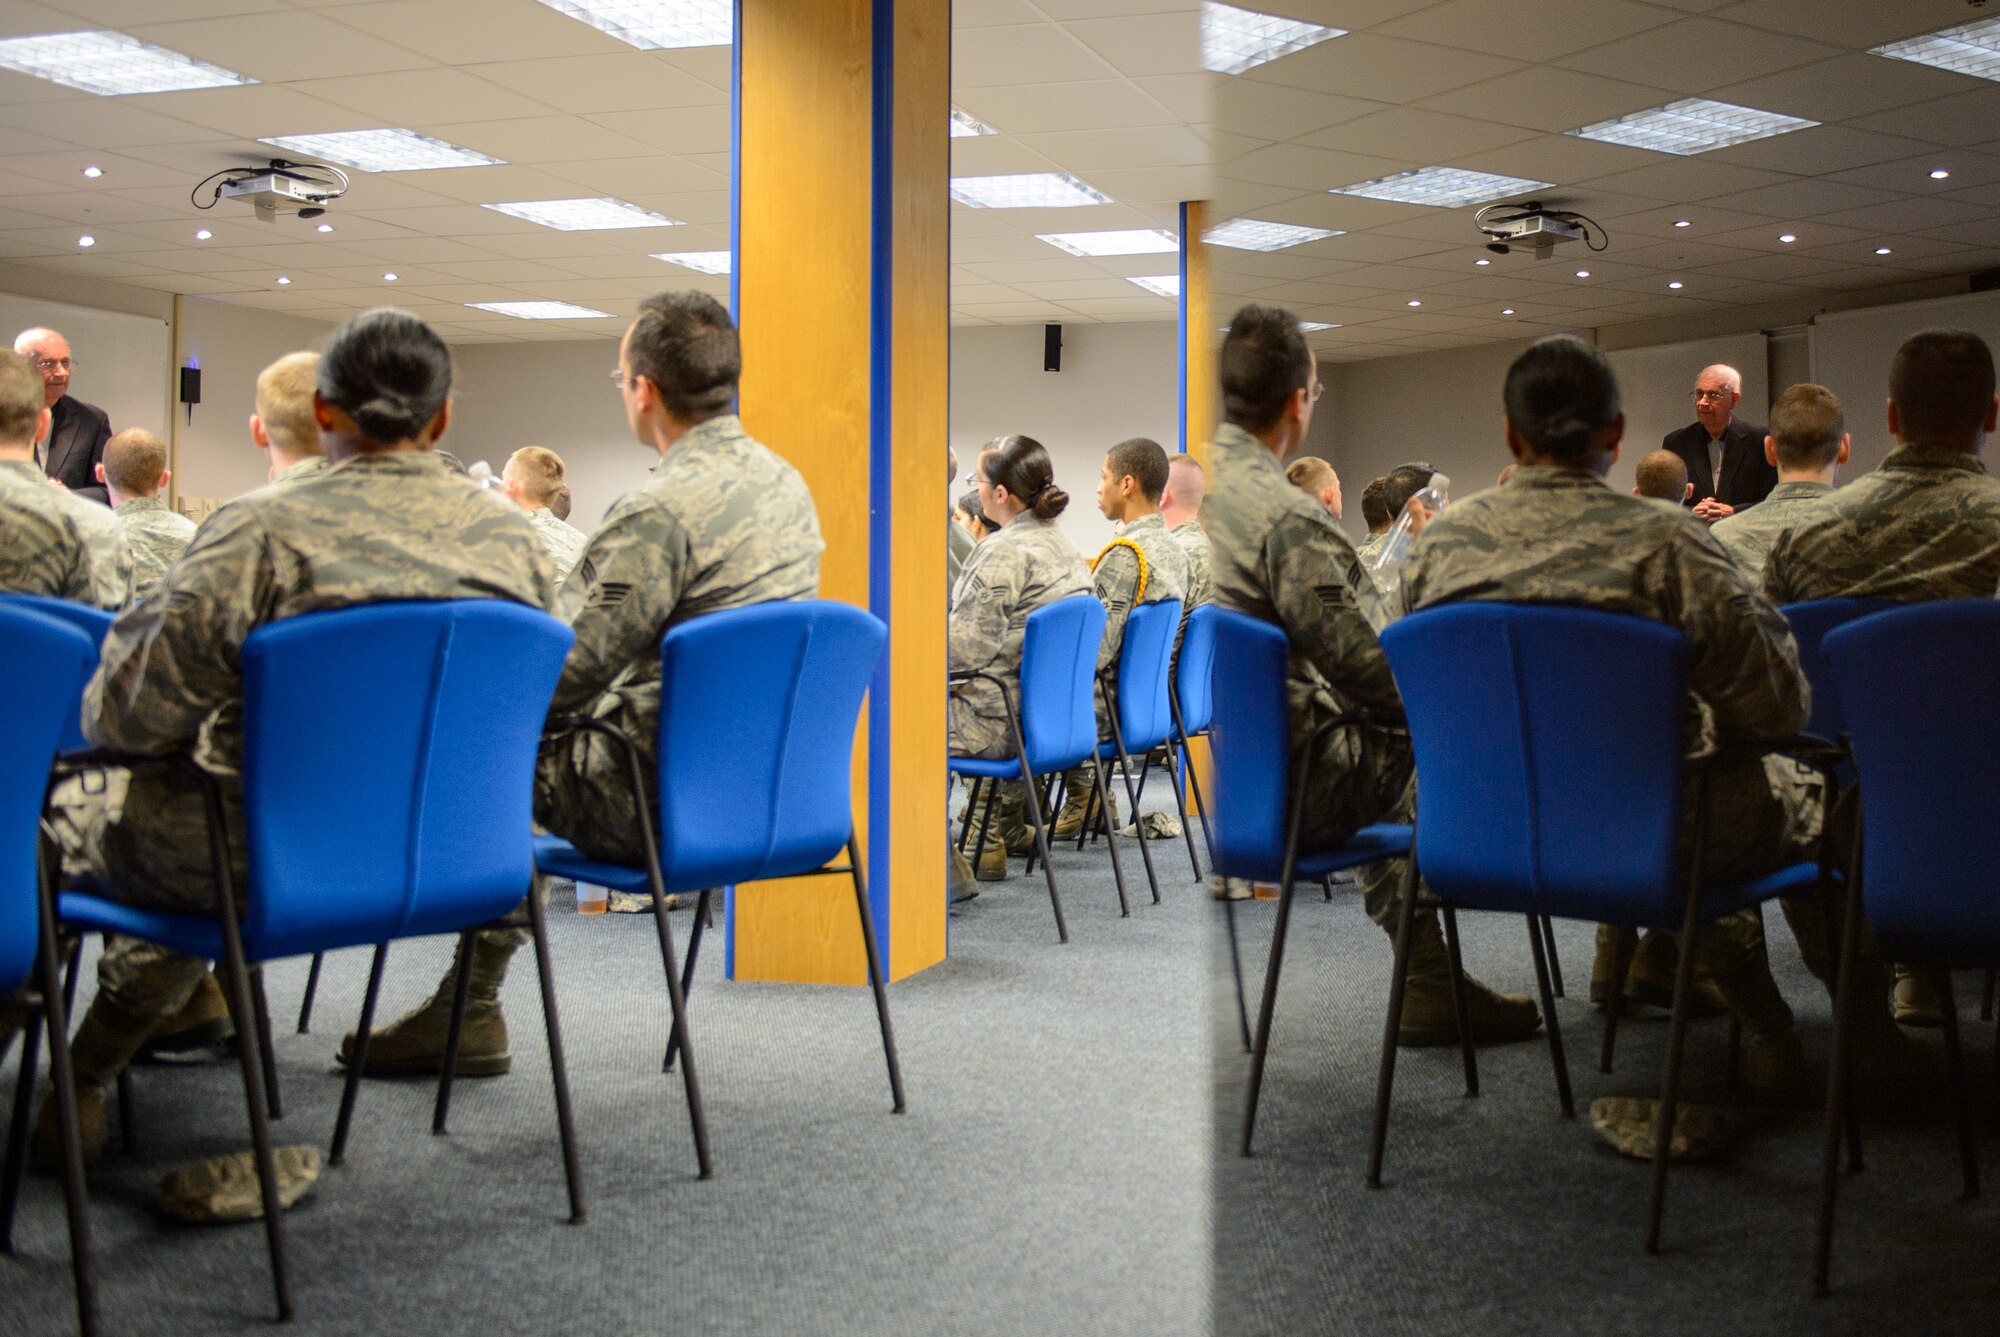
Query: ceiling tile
[(996, 57), (1545, 98), (1525, 33), (468, 32), (1386, 69), (627, 81), (1699, 54), (290, 44)]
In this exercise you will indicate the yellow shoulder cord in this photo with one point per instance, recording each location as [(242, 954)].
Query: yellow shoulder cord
[(1139, 594)]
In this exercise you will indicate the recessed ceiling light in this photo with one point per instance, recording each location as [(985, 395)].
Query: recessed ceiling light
[(1250, 234), (656, 25), (964, 125), (1969, 48), (1682, 222), (386, 150), (598, 214), (1140, 241), (326, 227), (706, 262), (1028, 190), (112, 64), (389, 277), (539, 310), (1939, 174), (1482, 260), (1234, 40), (1583, 273), (86, 241), (1314, 326), (1415, 302), (282, 280), (1692, 125), (1787, 238), (202, 234), (1675, 284), (1442, 187), (93, 172), (1506, 310), (1161, 285), (1881, 250)]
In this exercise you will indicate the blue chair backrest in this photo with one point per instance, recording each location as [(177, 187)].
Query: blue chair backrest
[(1810, 622), (92, 622), (1144, 717), (1929, 768), (47, 662), (1250, 743), (1192, 674), (1058, 674), (388, 768), (758, 708), (1548, 745)]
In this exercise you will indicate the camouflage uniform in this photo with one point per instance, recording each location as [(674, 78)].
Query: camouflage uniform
[(1279, 557), (1748, 535), (156, 536), (1369, 549), (110, 559), (1560, 536), (1115, 581), (1201, 574), (958, 547), (723, 523), (43, 553), (561, 540), (373, 528), (306, 468)]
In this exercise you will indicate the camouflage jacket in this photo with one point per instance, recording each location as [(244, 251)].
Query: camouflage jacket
[(367, 530), (722, 523), (1027, 565), (1926, 525), (561, 540), (1748, 535), (110, 558), (1201, 563), (1560, 536), (1280, 557), (156, 537), (44, 552), (1115, 580)]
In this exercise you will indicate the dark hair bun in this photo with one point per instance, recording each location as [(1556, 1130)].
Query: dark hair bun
[(1049, 502)]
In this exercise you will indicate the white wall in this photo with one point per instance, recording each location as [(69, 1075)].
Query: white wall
[(231, 344), (1116, 382), (121, 359)]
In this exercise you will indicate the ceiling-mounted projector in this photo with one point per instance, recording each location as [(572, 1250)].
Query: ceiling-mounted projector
[(300, 190), (1531, 227)]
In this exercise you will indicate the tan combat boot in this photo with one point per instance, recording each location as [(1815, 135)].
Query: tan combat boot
[(1428, 1015), (1919, 1001), (414, 1043), (202, 1024), (104, 1043), (1080, 790), (1773, 1059), (964, 887)]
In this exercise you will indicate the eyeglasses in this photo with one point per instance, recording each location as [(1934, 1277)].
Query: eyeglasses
[(618, 377), (1318, 389), (51, 363), (974, 480), (1703, 395)]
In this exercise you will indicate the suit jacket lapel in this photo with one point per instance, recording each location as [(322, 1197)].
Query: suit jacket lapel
[(62, 439)]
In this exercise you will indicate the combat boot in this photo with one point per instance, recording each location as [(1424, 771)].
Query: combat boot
[(414, 1043), (202, 1024), (1650, 980), (1428, 1015), (1079, 790), (1919, 1002), (105, 1042), (992, 862), (964, 886), (1773, 1060), (1610, 939)]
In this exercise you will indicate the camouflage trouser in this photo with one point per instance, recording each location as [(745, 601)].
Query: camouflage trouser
[(971, 734)]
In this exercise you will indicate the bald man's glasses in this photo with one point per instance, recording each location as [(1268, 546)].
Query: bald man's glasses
[(1704, 396), (47, 364)]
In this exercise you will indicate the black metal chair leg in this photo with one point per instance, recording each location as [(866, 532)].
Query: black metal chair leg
[(1131, 793), (312, 992), (1103, 797), (1385, 1077), (1180, 806), (1986, 995), (128, 1119), (678, 1004), (986, 818), (18, 1126), (55, 1016), (71, 966), (1670, 1083), (267, 1053), (687, 968), (876, 967), (1461, 1004), (1048, 793), (1614, 1003), (350, 1087), (1555, 957), (1260, 1047), (1326, 887), (1236, 969), (454, 1035), (1961, 1105), (538, 924), (1038, 819), (1732, 1065), (1837, 1094), (1543, 971), (971, 803)]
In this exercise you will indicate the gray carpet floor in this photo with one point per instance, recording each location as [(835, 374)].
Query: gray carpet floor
[(1068, 1163)]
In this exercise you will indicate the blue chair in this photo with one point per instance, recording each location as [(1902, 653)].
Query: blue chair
[(1054, 725), (1193, 703), (1549, 745), (383, 797), (92, 622), (1259, 804), (1922, 859), (49, 662), (758, 708), (1810, 622)]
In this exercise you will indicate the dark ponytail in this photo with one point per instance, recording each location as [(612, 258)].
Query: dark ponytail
[(1021, 465), (387, 370), (1560, 394)]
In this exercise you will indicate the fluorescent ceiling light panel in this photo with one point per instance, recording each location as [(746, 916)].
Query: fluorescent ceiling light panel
[(707, 262), (601, 214), (1248, 234), (1692, 125), (539, 310), (382, 150), (1031, 190), (1234, 40), (1443, 187), (1309, 326), (656, 25), (1142, 241), (964, 125), (1162, 285), (1970, 48), (112, 64)]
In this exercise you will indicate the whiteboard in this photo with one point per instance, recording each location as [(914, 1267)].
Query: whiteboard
[(123, 362), (1852, 350), (1658, 386)]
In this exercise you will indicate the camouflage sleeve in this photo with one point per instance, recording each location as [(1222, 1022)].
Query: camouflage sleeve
[(173, 660), (1746, 665), (79, 577), (1116, 584), (988, 589), (1777, 583), (619, 598), (1309, 578)]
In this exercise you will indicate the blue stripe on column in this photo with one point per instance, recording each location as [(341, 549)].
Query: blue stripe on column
[(1184, 327), (735, 307), (881, 449)]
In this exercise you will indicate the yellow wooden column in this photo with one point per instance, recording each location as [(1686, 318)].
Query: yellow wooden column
[(841, 271), (1198, 341)]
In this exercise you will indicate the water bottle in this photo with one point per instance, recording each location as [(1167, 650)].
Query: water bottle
[(480, 472), (1388, 568)]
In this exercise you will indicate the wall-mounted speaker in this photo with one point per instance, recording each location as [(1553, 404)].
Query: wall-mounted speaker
[(1051, 348)]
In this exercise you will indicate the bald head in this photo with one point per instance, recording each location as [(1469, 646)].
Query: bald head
[(1187, 484), (1716, 391), (49, 352)]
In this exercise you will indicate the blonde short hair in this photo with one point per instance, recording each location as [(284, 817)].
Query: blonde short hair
[(285, 403), (1310, 473), (134, 461), (538, 470), (20, 399)]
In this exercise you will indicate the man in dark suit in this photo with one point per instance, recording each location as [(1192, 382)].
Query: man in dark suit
[(1725, 458), (74, 446)]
